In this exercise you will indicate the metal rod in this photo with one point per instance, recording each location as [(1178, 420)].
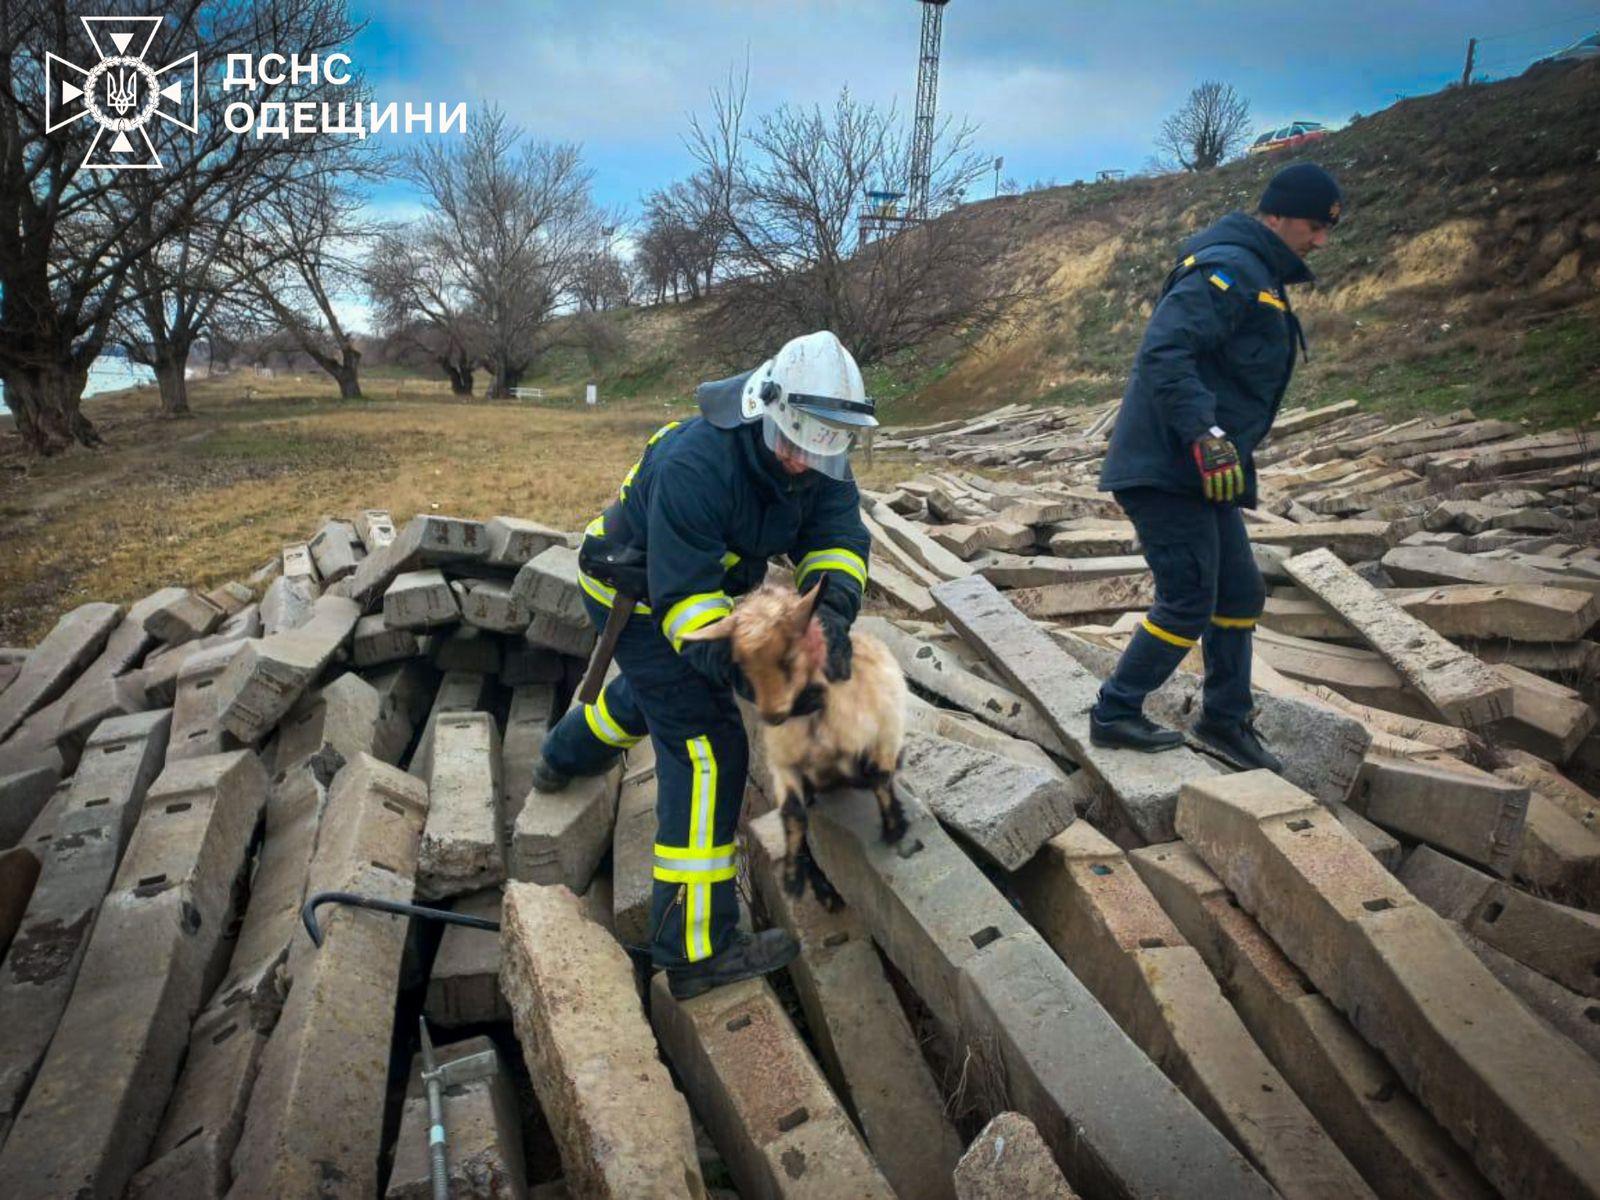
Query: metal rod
[(308, 914), (438, 1163)]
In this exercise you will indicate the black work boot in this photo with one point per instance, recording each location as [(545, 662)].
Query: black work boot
[(546, 778), (1132, 733), (1239, 743), (747, 956)]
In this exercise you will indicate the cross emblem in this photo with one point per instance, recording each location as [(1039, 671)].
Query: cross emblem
[(121, 92)]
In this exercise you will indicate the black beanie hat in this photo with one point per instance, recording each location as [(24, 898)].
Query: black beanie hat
[(1303, 190)]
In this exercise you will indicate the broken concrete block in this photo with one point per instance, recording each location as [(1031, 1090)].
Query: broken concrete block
[(1560, 857), (334, 550), (1352, 541), (420, 600), (1519, 612), (426, 541), (1431, 566), (464, 988), (490, 605), (561, 837), (765, 1103), (621, 1127), (1143, 791), (317, 1109), (329, 727), (263, 682), (1094, 543), (1399, 1149), (1464, 690), (186, 616), (298, 563), (1022, 571), (547, 585), (1096, 913), (483, 1128), (1007, 1160), (376, 642), (867, 1047), (23, 795), (55, 662), (1465, 811), (461, 845), (1491, 1074), (232, 597), (95, 815), (633, 847), (286, 604), (1546, 718), (197, 711), (513, 541), (1114, 593), (1004, 809), (458, 692), (92, 1112), (992, 984), (375, 528)]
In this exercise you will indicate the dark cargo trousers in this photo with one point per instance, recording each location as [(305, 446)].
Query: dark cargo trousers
[(1208, 590), (701, 761)]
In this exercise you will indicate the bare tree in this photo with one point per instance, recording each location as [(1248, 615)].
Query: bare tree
[(70, 238), (421, 309), (790, 191), (511, 223), (1211, 127)]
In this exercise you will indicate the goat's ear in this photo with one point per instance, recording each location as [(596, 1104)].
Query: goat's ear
[(807, 606), (711, 632)]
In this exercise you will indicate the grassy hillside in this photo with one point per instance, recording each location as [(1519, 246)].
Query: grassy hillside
[(1466, 272)]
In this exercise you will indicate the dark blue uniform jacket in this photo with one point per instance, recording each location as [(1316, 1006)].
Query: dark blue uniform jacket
[(1219, 350), (709, 506)]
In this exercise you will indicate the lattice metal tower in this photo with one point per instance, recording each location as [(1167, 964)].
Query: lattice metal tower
[(927, 106)]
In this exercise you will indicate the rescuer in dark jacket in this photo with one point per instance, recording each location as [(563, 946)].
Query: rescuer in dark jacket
[(1206, 386), (764, 470)]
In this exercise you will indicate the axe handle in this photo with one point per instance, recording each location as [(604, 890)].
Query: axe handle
[(621, 609)]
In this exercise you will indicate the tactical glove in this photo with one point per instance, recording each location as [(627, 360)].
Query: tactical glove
[(714, 661), (836, 632), (1221, 474)]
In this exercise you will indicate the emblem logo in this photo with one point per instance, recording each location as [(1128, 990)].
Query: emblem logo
[(121, 93)]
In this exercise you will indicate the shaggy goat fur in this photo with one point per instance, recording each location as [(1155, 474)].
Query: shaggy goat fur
[(854, 739)]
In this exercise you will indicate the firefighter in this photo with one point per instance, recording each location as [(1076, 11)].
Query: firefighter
[(1206, 386), (763, 470)]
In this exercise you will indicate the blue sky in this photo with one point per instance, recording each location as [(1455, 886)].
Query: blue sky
[(1060, 89)]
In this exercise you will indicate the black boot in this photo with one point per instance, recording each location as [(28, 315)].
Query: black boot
[(1239, 743), (747, 956), (546, 778), (1132, 733)]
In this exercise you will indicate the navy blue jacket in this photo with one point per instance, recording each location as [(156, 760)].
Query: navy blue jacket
[(1219, 350), (709, 506)]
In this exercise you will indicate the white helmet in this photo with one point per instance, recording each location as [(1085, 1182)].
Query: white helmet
[(809, 398)]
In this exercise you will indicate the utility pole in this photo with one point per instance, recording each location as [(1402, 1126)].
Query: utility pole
[(1472, 49), (998, 163), (927, 107)]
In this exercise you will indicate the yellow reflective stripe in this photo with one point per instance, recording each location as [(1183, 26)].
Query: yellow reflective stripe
[(596, 527), (604, 595), (674, 875), (694, 612), (1234, 622), (1189, 262), (836, 558), (1219, 281), (1170, 638), (634, 470), (730, 559), (682, 853), (661, 433), (605, 727), (1269, 298), (702, 823), (684, 864)]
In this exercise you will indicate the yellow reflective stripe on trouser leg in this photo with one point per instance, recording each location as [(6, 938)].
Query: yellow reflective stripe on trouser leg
[(693, 612), (1171, 639), (1234, 622), (605, 727), (677, 864), (836, 558), (702, 823)]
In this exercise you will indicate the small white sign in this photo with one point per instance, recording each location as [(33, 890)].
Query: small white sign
[(591, 395)]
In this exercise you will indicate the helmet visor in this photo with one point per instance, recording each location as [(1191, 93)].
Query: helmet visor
[(828, 460)]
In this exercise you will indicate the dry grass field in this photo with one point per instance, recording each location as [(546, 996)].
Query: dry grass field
[(200, 501)]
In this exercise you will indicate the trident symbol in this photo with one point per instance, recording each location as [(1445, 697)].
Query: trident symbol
[(121, 91)]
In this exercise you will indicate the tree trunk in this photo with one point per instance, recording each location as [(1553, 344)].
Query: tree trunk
[(347, 373), (459, 374), (46, 404), (174, 389)]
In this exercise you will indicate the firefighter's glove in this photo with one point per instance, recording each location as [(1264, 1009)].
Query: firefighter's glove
[(1221, 473), (836, 632), (714, 660)]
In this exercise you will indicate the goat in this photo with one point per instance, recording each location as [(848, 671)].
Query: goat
[(853, 739)]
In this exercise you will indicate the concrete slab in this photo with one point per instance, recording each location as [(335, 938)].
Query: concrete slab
[(1399, 1149), (375, 528), (1575, 1017), (22, 797), (1094, 910), (317, 1109), (335, 550), (286, 604), (426, 541), (513, 541), (298, 563), (548, 586), (561, 837), (406, 692), (527, 723), (633, 847), (1490, 1072), (1560, 857), (375, 642), (863, 1039), (420, 600), (482, 1126), (1460, 809), (779, 1129), (621, 1128), (1382, 846), (462, 847), (490, 605), (92, 1112), (197, 711), (1141, 788), (1117, 1125), (184, 617), (264, 681), (464, 988), (232, 597), (1004, 809), (70, 646), (19, 872), (458, 692), (329, 727), (1007, 1160)]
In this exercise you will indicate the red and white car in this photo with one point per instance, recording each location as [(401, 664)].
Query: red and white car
[(1290, 137)]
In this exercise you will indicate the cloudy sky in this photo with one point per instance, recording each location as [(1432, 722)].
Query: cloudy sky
[(1061, 89)]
